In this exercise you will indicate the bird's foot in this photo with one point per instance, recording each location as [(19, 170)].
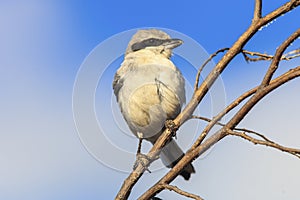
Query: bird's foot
[(170, 125), (142, 159)]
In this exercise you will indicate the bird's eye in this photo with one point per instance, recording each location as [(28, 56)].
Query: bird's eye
[(151, 41)]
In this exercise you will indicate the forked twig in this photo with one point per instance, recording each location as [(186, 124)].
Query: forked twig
[(200, 91), (236, 129), (266, 142)]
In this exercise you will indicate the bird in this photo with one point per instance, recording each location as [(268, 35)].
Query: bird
[(150, 90)]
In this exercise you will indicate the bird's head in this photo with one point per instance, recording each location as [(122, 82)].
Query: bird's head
[(154, 40)]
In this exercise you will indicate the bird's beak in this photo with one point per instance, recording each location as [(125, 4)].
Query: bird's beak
[(172, 43)]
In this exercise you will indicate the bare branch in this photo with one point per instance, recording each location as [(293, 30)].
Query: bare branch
[(253, 132), (204, 64), (198, 150), (247, 94), (280, 11), (199, 94), (236, 129), (240, 115), (230, 54), (257, 10), (267, 142), (186, 159), (179, 191), (262, 89), (293, 53), (277, 57), (259, 56), (262, 56)]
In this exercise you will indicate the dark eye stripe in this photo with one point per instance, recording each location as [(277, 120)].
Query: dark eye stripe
[(146, 43)]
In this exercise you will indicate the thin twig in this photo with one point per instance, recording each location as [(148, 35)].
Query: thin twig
[(292, 54), (181, 192), (292, 151), (204, 64), (236, 129), (266, 57), (277, 57), (259, 56)]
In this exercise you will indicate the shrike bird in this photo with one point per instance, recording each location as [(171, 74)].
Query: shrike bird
[(150, 90)]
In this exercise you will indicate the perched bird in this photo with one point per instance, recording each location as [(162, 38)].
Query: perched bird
[(150, 90)]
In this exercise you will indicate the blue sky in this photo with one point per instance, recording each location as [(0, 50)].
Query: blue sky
[(43, 45)]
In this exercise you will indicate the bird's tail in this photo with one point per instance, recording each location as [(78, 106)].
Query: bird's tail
[(171, 154)]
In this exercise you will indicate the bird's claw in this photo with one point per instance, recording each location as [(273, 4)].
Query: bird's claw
[(170, 125), (142, 159)]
